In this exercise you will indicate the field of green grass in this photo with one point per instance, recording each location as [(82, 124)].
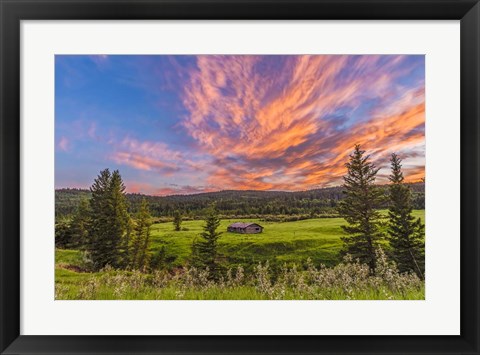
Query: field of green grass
[(280, 243), (287, 242)]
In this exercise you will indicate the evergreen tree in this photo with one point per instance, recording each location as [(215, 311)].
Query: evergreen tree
[(204, 250), (406, 234), (109, 220), (120, 220), (63, 233), (177, 220), (141, 238), (358, 208), (80, 225), (161, 260), (127, 241)]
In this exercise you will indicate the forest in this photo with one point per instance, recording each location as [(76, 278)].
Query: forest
[(318, 202), (356, 241)]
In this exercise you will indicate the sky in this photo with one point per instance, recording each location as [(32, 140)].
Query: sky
[(189, 124)]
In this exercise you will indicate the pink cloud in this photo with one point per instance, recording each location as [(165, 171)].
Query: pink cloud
[(142, 162), (264, 137), (64, 144), (92, 130), (155, 156), (151, 189)]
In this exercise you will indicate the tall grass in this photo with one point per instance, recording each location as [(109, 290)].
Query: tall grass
[(349, 280)]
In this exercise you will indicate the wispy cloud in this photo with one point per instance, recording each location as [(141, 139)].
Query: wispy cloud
[(63, 144), (272, 128), (100, 60), (149, 156), (245, 122)]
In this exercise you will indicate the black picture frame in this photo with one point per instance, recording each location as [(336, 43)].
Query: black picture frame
[(12, 12)]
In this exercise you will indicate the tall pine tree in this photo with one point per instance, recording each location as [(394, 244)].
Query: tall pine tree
[(406, 234), (80, 225), (139, 255), (204, 250), (108, 245), (120, 219), (359, 208)]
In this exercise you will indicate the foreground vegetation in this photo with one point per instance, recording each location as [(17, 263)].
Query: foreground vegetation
[(294, 246), (347, 280)]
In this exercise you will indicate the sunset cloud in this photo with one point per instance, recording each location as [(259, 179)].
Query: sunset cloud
[(296, 120), (172, 189), (147, 156), (279, 122)]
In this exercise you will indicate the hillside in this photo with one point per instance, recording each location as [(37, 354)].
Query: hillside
[(232, 202)]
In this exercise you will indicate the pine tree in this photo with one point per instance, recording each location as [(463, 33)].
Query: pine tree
[(127, 240), (80, 225), (359, 208), (204, 250), (120, 219), (406, 234), (109, 220), (177, 220), (160, 261), (141, 238), (99, 251)]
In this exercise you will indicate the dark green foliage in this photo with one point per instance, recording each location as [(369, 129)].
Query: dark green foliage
[(406, 234), (80, 225), (177, 220), (140, 240), (159, 261), (204, 250), (108, 233), (67, 200), (359, 209), (233, 204), (63, 233), (121, 218), (162, 260)]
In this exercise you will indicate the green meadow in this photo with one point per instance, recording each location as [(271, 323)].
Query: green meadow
[(285, 243)]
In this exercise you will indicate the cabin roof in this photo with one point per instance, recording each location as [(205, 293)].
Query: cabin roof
[(243, 225)]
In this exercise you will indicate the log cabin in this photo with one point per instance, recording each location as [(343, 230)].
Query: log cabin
[(245, 228)]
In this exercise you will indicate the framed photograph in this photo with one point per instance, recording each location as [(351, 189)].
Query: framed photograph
[(239, 177)]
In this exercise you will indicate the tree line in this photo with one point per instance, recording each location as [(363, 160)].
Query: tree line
[(233, 204)]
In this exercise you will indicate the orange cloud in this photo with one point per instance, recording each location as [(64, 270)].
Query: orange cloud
[(273, 132), (146, 155), (151, 189), (154, 156), (141, 162)]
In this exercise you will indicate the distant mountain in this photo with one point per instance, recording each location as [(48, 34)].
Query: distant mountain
[(232, 202)]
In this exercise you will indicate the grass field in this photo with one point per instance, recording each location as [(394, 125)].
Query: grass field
[(280, 243), (317, 239)]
